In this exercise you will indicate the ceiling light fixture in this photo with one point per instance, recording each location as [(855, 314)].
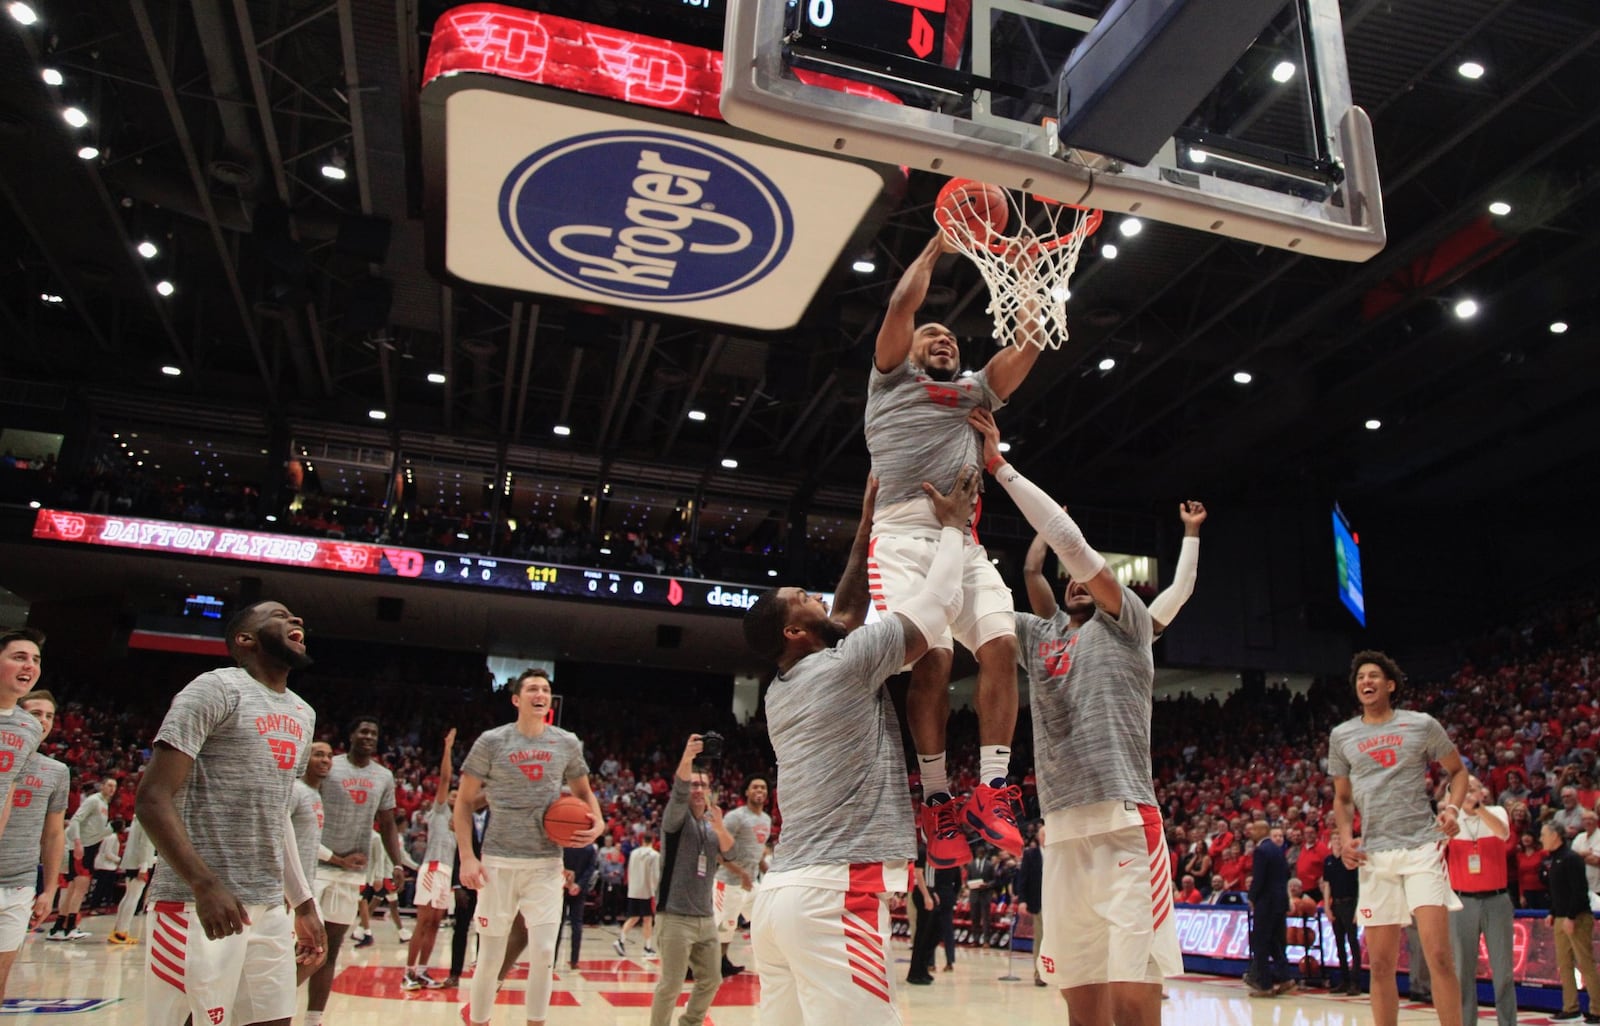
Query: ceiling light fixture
[(1283, 71), (51, 77), (1499, 208), (21, 13), (1470, 70), (1005, 446), (88, 152), (378, 414), (1374, 424), (864, 267), (1107, 364), (1466, 309), (697, 415), (74, 116), (51, 298), (1242, 377), (1130, 227), (730, 464), (562, 430), (1109, 251), (436, 378), (1558, 327), (170, 371), (148, 249), (166, 288)]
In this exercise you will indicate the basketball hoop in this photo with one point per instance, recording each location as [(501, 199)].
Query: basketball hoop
[(1027, 272)]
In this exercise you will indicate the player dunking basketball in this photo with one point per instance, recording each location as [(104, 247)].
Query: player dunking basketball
[(821, 928), (1379, 764), (916, 429), (215, 798), (1107, 885), (522, 767)]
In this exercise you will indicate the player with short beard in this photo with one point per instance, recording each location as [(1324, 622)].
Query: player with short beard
[(916, 430), (215, 799)]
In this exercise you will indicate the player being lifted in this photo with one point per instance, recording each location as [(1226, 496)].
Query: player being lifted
[(917, 430)]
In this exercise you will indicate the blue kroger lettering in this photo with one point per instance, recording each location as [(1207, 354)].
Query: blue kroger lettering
[(646, 215)]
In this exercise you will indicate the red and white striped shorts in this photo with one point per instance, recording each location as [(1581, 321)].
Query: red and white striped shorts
[(822, 955), (1107, 895), (245, 978)]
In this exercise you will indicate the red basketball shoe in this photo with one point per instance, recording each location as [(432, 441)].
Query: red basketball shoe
[(947, 845), (991, 811)]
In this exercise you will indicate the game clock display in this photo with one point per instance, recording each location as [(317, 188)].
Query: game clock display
[(918, 30), (552, 580)]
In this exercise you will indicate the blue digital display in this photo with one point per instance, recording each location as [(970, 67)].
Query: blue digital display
[(1347, 557)]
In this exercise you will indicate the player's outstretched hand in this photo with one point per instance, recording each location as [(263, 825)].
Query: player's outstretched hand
[(221, 914), (955, 509), (1192, 512), (983, 422)]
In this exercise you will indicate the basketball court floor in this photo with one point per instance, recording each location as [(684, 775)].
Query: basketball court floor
[(91, 982)]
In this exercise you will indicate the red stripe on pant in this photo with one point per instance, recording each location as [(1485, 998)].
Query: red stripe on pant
[(1155, 841), (863, 945), (168, 940)]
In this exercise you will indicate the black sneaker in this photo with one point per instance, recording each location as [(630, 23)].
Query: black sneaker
[(1591, 1018), (1566, 1016), (729, 969)]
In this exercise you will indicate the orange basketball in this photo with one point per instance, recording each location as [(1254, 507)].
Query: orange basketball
[(565, 817), (981, 208)]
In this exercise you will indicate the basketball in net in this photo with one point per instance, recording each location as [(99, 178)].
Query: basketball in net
[(1026, 249)]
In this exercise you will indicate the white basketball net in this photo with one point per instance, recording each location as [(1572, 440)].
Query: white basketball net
[(1027, 269)]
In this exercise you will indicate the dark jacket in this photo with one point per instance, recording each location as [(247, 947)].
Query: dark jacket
[(1569, 884), (585, 865), (1030, 878), (1269, 878)]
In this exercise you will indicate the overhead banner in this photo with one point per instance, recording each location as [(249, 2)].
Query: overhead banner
[(649, 203)]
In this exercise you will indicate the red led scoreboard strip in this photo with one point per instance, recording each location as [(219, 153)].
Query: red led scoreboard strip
[(566, 54)]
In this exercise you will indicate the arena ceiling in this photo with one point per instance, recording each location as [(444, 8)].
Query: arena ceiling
[(212, 119)]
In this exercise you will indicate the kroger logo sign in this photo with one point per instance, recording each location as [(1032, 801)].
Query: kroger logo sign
[(646, 215)]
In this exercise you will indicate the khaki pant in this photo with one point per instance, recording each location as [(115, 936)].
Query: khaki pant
[(1576, 952), (686, 942)]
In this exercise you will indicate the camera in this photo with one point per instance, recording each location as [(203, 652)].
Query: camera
[(710, 745)]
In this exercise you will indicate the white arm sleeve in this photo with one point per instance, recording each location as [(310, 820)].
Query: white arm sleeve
[(295, 887), (1050, 520), (1165, 606), (931, 609)]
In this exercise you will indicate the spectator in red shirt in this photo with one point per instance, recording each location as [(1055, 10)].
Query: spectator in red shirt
[(1530, 884), (1308, 867), (1189, 894)]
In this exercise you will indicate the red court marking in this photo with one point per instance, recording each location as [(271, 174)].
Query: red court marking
[(608, 976), (383, 982), (742, 991)]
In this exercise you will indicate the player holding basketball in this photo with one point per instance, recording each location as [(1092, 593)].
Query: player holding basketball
[(1379, 763), (433, 878), (1107, 885), (522, 767), (36, 836), (821, 927), (215, 800), (357, 791), (916, 430), (750, 826)]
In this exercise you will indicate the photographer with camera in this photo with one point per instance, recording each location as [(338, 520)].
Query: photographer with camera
[(693, 840)]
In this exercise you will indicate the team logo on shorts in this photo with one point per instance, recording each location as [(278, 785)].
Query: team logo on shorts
[(1047, 964), (641, 214), (216, 1015), (483, 921), (1366, 913)]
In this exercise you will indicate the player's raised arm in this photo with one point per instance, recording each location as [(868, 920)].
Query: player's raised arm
[(853, 597), (1082, 562), (900, 321), (926, 613), (1041, 598), (1165, 606)]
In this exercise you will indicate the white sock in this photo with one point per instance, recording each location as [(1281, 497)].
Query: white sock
[(934, 781), (994, 763), (313, 1017)]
